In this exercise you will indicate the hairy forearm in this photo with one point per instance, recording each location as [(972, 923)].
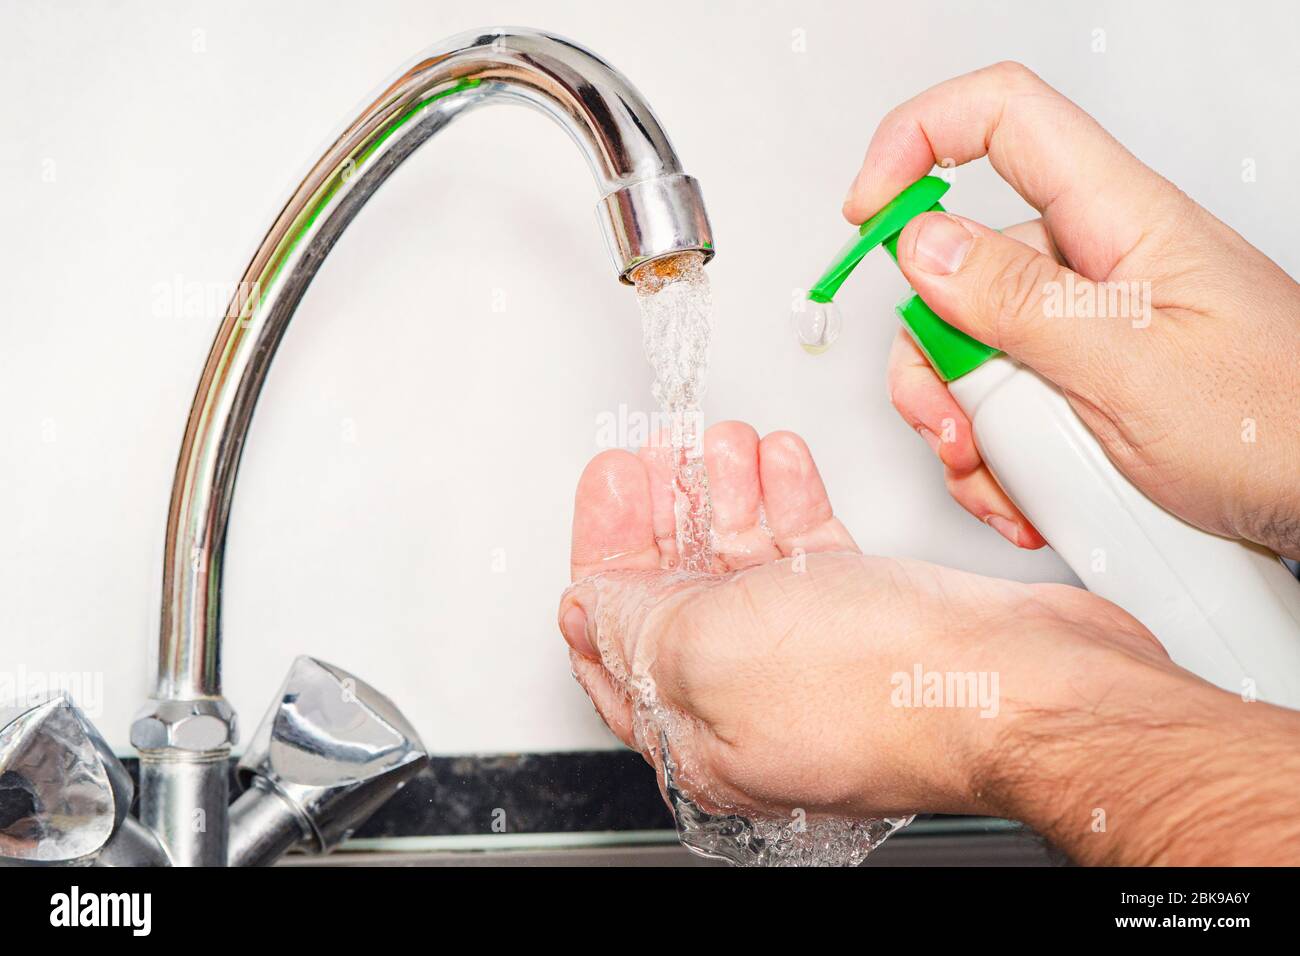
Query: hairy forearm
[(1158, 768)]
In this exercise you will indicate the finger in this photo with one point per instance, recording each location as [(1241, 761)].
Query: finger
[(731, 459), (794, 498), (628, 623), (1015, 298), (1050, 151), (925, 403), (980, 494), (612, 521), (927, 406), (923, 399), (612, 704), (658, 457), (1034, 234)]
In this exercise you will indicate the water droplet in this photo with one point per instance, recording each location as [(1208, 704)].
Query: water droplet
[(816, 325)]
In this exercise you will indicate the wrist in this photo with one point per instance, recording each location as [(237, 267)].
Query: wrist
[(1102, 769), (1006, 678), (1073, 694)]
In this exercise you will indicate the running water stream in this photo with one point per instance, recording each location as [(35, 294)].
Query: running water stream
[(677, 323), (676, 326)]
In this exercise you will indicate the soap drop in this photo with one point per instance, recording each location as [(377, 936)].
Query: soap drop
[(816, 325)]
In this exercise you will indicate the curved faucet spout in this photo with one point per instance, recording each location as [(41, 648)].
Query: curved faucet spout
[(648, 208)]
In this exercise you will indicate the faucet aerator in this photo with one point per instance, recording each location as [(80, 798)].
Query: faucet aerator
[(652, 219)]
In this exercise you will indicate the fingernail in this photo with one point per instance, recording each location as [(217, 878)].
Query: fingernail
[(942, 245), (930, 437), (1005, 527), (574, 627)]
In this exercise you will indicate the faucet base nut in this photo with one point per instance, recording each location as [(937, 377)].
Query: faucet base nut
[(206, 725)]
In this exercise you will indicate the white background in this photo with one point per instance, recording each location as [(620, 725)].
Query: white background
[(408, 431)]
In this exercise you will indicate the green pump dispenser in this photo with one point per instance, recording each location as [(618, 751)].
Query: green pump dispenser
[(952, 352)]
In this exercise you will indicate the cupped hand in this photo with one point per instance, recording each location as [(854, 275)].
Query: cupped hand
[(787, 676), (1190, 388)]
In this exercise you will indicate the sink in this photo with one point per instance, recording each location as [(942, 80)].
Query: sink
[(939, 842)]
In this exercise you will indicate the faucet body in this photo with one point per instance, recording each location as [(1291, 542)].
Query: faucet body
[(648, 208)]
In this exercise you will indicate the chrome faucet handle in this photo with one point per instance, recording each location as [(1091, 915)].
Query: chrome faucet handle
[(134, 844), (329, 752), (64, 795)]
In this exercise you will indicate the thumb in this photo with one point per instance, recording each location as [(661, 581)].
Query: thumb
[(1008, 295), (624, 620)]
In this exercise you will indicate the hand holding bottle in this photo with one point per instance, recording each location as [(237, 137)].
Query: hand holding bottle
[(1190, 391)]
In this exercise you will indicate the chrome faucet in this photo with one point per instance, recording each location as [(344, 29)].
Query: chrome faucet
[(314, 771)]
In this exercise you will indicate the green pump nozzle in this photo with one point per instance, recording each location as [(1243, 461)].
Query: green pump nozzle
[(952, 352)]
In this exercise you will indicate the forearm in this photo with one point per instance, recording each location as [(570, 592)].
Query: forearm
[(1158, 768)]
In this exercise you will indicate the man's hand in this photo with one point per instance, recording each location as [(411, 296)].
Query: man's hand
[(789, 677), (783, 665), (1191, 391)]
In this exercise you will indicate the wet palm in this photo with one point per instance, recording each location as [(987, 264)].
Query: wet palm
[(777, 672)]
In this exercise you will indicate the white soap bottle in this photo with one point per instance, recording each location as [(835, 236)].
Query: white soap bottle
[(1226, 610)]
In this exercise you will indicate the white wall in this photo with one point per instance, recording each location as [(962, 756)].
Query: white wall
[(407, 429)]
